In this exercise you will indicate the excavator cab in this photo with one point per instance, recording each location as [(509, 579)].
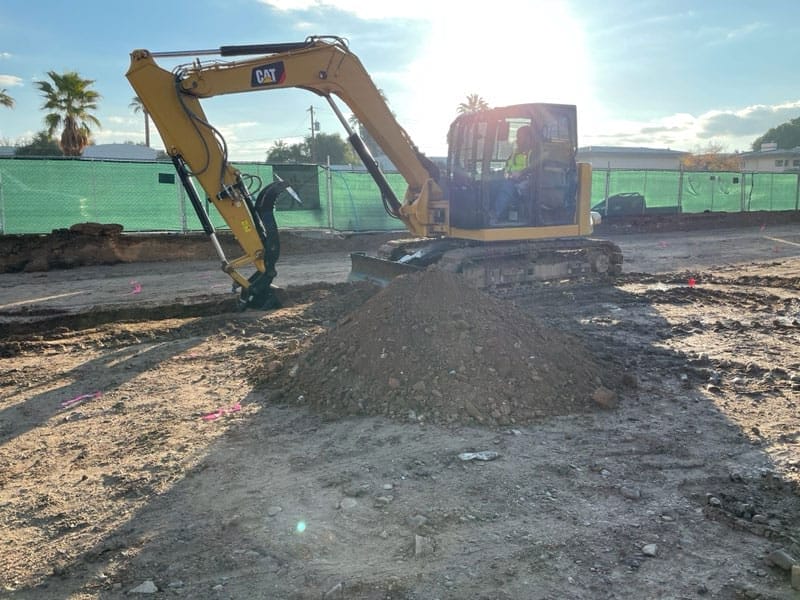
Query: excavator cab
[(477, 181)]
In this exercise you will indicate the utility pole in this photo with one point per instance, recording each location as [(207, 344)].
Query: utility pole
[(314, 129), (311, 110)]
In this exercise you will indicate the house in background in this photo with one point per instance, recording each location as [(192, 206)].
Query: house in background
[(771, 160), (120, 152), (620, 157)]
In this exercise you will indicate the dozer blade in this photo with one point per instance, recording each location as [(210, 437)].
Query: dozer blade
[(377, 270)]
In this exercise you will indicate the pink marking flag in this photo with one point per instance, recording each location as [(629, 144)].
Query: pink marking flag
[(78, 399), (213, 416)]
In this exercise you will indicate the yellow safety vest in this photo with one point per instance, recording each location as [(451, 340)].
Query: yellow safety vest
[(518, 161)]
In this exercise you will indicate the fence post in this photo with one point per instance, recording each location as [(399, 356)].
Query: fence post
[(182, 206), (741, 192), (93, 196), (605, 192), (796, 196), (2, 207), (644, 193), (713, 185), (771, 188), (329, 193)]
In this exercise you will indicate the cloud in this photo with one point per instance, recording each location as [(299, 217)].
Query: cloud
[(744, 31), (10, 80), (416, 10), (411, 9), (659, 129), (287, 5), (364, 10), (750, 121), (5, 55), (716, 36), (642, 25), (734, 128)]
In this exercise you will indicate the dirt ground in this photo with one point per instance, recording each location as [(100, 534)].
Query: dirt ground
[(634, 440)]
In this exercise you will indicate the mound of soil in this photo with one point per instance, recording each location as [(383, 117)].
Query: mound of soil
[(85, 244), (429, 347)]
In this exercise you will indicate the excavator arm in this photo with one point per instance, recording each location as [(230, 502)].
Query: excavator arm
[(322, 65)]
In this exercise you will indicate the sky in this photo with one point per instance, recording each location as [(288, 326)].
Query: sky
[(678, 74)]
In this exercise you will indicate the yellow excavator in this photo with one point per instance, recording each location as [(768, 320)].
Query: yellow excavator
[(452, 216)]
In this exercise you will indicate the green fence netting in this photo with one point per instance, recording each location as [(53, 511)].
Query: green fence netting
[(39, 195), (693, 192)]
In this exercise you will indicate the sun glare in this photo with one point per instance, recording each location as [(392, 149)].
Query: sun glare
[(527, 52)]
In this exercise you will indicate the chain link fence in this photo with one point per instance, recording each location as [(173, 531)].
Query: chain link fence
[(39, 195), (640, 192)]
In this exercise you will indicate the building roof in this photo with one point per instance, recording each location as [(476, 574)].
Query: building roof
[(771, 153), (630, 150), (120, 152)]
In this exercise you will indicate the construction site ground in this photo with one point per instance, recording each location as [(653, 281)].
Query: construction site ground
[(635, 439)]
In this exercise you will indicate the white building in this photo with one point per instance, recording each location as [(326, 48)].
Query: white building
[(120, 152), (771, 160), (620, 157)]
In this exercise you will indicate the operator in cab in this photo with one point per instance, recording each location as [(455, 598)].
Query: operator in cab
[(517, 180)]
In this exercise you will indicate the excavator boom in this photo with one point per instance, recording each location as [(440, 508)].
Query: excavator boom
[(323, 65)]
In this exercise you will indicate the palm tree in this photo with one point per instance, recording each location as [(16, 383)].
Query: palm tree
[(6, 100), (137, 107), (354, 123), (473, 104), (364, 133), (70, 101)]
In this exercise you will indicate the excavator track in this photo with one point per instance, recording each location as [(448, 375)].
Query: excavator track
[(501, 268)]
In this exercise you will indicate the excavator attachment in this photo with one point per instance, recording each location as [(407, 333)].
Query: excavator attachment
[(377, 270)]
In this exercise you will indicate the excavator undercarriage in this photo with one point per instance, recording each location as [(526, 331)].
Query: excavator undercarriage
[(503, 269)]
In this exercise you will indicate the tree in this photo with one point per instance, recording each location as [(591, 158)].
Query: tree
[(364, 134), (473, 104), (332, 145), (42, 144), (70, 100), (281, 152), (137, 107), (327, 144), (711, 158), (786, 136), (6, 100)]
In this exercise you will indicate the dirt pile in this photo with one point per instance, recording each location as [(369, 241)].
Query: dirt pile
[(86, 244), (429, 347)]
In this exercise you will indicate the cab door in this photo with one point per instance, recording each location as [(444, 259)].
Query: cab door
[(465, 173), (556, 177)]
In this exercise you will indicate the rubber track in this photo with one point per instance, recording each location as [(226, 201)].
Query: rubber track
[(503, 267)]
